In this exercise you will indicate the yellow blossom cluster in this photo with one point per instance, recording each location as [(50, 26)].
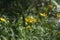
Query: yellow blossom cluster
[(3, 19), (30, 19)]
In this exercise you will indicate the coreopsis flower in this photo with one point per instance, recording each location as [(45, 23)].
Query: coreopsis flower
[(43, 14), (3, 19), (58, 15), (30, 19), (51, 6)]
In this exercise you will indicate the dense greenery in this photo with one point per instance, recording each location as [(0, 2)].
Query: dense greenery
[(28, 20)]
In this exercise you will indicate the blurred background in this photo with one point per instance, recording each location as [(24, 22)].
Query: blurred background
[(29, 19)]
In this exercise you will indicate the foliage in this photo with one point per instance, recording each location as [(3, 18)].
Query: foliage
[(28, 20)]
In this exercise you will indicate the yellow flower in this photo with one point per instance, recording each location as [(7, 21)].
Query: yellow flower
[(29, 27), (43, 14), (30, 19), (51, 6), (2, 19), (58, 15)]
